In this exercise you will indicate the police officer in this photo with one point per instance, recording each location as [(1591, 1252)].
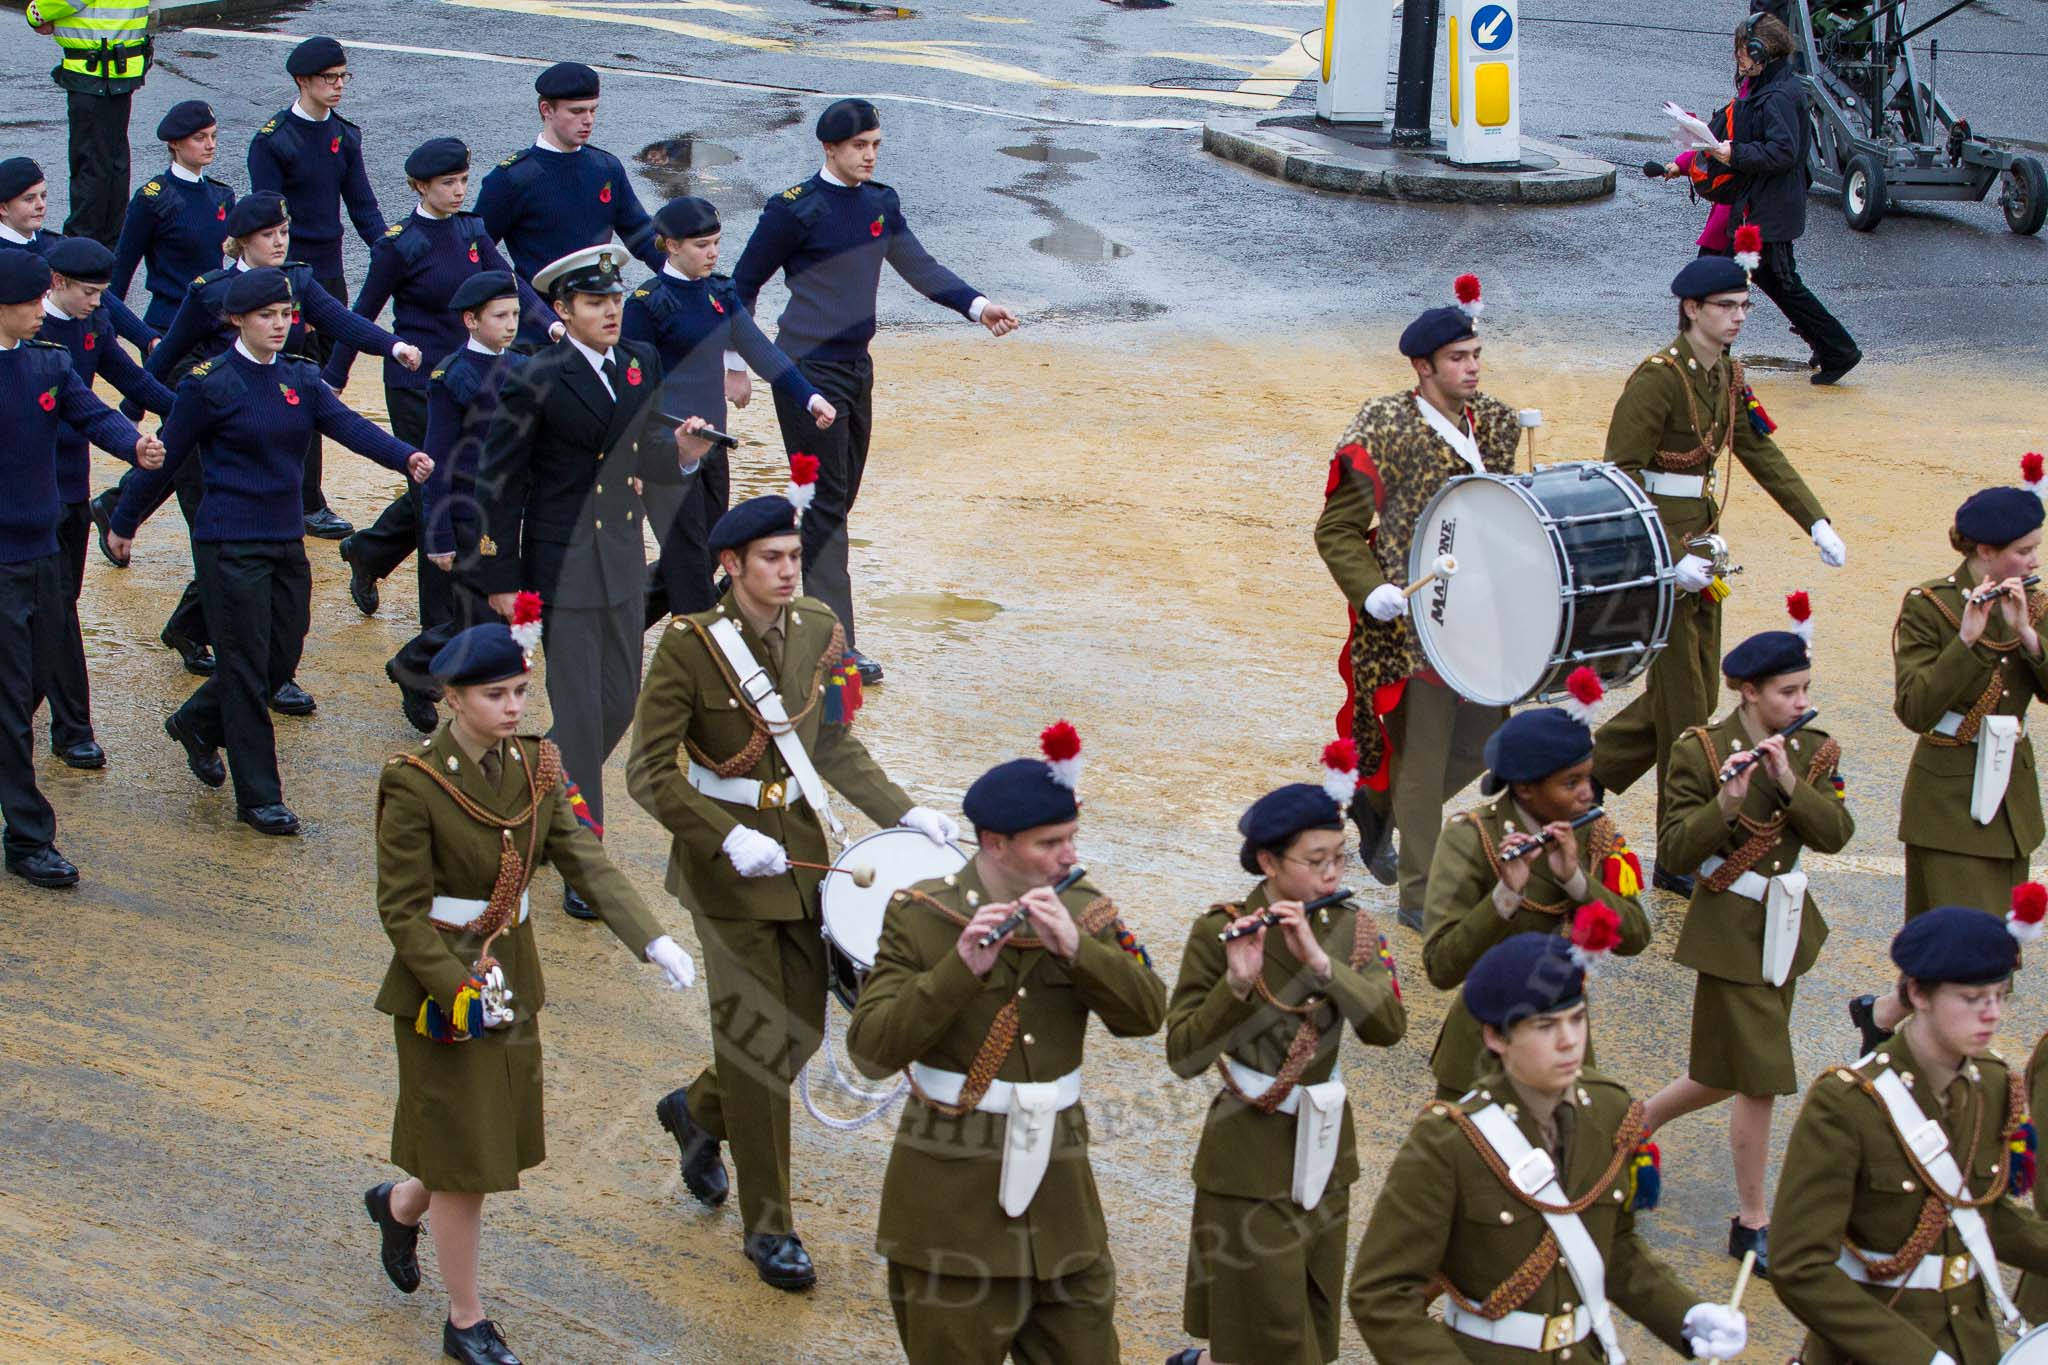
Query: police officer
[(313, 156), (1684, 408), (990, 1220), (178, 219), (106, 51), (75, 318), (829, 235), (694, 319), (1743, 801), (245, 416), (43, 399), (736, 774), (1267, 1010), (24, 205), (1895, 1205), (1468, 1208)]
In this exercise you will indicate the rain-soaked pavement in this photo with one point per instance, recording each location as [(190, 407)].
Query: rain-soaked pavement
[(1104, 517)]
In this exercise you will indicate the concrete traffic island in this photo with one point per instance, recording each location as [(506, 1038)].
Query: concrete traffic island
[(1356, 159)]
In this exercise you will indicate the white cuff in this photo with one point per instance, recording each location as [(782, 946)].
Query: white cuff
[(974, 309), (1578, 888), (1505, 902), (734, 362)]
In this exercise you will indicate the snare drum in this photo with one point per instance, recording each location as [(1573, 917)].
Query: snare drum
[(1562, 567), (2031, 1349), (853, 914)]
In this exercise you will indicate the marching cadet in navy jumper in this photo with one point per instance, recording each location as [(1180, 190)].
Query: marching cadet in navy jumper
[(314, 158), (694, 319), (24, 204), (245, 415), (417, 266), (43, 398), (829, 236), (561, 195), (462, 397), (177, 219), (75, 318)]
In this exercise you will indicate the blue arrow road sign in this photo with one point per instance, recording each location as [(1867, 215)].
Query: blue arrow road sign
[(1492, 27)]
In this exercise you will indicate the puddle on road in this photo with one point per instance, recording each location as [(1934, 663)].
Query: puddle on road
[(1139, 4), (866, 10), (673, 164), (933, 611), (1057, 156), (102, 640), (1786, 363), (1080, 244)]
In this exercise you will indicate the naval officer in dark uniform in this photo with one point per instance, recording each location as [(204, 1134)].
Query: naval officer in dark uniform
[(176, 221)]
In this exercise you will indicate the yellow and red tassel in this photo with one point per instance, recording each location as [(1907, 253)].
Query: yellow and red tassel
[(466, 1021), (1621, 872), (1645, 1176), (1386, 957), (579, 807), (1759, 420), (2022, 1147), (1128, 941), (843, 696)]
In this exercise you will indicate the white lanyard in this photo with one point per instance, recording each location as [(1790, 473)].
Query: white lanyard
[(1458, 438)]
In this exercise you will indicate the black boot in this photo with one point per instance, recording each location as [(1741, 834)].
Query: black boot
[(480, 1343), (1375, 842), (292, 700), (417, 705), (1742, 1239), (400, 1252), (1678, 883), (1863, 1014), (703, 1169), (44, 867), (101, 510), (202, 758), (780, 1260), (574, 906), (362, 589), (198, 658)]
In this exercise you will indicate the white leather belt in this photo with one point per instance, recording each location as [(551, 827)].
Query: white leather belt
[(1753, 886), (1664, 485), (743, 791), (1932, 1272), (459, 912), (1783, 899), (1028, 1109), (945, 1087), (1952, 721), (1526, 1331), (1255, 1084), (1318, 1112)]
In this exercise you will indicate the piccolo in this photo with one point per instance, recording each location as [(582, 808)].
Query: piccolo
[(1266, 919), (1015, 919), (1999, 590), (1742, 762), (1545, 839), (711, 434)]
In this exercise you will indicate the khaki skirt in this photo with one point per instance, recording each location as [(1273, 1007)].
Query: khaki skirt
[(469, 1114), (1742, 1037), (1935, 876), (1266, 1277)]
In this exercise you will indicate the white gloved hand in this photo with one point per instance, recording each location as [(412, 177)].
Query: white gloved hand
[(1385, 603), (1716, 1331), (1833, 552), (940, 829), (754, 854), (1695, 573), (1942, 1358), (675, 964)]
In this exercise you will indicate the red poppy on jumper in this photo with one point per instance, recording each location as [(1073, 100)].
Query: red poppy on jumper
[(291, 395), (335, 146), (604, 196), (47, 400), (92, 341), (474, 259), (875, 228), (221, 213), (716, 306)]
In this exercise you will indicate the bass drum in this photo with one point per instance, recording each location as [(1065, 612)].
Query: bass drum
[(852, 914), (1562, 567), (2031, 1349)]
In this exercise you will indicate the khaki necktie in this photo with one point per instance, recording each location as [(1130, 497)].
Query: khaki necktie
[(493, 766)]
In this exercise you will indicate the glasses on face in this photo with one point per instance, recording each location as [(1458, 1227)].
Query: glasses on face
[(334, 78), (1333, 863), (1732, 305)]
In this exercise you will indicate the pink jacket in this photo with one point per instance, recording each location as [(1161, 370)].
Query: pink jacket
[(1719, 233)]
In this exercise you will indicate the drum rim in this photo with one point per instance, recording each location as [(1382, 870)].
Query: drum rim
[(1551, 686)]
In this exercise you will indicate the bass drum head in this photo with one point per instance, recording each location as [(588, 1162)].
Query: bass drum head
[(2031, 1349), (1490, 629), (852, 914)]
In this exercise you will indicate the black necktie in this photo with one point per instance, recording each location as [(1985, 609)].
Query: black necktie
[(611, 375)]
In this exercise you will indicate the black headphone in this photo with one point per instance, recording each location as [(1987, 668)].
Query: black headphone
[(1751, 44)]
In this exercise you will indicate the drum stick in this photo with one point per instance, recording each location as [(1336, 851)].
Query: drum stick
[(1266, 919), (1741, 762), (1545, 839), (711, 434), (1445, 566), (1742, 1280), (1988, 594), (862, 874), (1015, 919)]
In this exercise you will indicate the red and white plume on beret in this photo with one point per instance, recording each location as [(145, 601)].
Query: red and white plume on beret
[(1596, 932), (1800, 608), (1340, 771), (1749, 247), (526, 612), (803, 481), (1582, 692), (1466, 290), (1061, 745), (2030, 474), (2029, 907)]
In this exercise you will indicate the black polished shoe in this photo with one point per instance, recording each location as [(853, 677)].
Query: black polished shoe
[(1831, 371), (1742, 1239), (198, 658), (43, 867), (1863, 1014), (1409, 918), (86, 754), (292, 700), (1375, 843), (101, 509), (400, 1252), (780, 1260), (703, 1168), (870, 671), (327, 526), (276, 818), (202, 758), (362, 589), (1192, 1355), (480, 1343), (1675, 882), (574, 906)]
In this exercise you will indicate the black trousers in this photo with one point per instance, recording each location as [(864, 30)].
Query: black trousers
[(842, 453), (259, 595), (188, 618), (455, 605), (1779, 280), (99, 165), (31, 628), (680, 580), (318, 348), (379, 548), (60, 673)]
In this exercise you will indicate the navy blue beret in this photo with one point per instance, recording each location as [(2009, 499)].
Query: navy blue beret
[(1281, 814), (183, 119), (1521, 976), (24, 276), (1998, 516), (688, 216), (17, 174), (1952, 943), (771, 514), (437, 156), (1766, 655), (1531, 745), (481, 288), (253, 289), (1434, 330), (481, 654), (843, 119), (1706, 275), (315, 55), (1019, 795), (566, 81), (82, 259), (254, 212)]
